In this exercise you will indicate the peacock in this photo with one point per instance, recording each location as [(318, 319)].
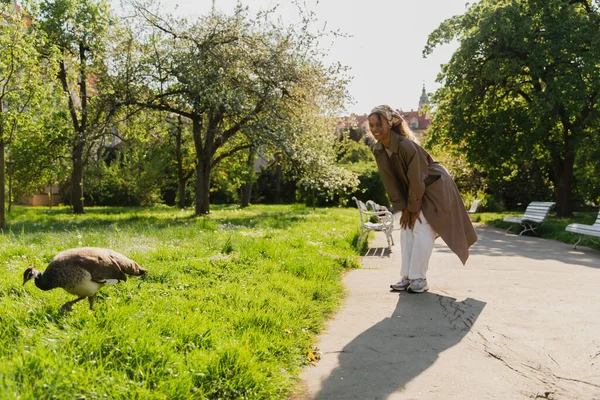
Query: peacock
[(82, 271)]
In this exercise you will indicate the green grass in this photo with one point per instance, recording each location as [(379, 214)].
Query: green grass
[(230, 307), (553, 228)]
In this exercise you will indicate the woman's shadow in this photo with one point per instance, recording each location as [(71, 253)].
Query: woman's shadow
[(384, 358)]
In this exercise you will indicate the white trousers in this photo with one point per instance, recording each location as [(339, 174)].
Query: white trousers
[(416, 246)]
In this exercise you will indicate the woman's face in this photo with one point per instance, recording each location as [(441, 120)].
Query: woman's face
[(379, 127)]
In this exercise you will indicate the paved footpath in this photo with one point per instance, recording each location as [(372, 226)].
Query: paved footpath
[(520, 321)]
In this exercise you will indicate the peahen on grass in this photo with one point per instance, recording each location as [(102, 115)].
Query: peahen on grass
[(82, 271)]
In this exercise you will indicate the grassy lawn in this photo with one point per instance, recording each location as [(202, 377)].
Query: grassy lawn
[(230, 307), (553, 228)]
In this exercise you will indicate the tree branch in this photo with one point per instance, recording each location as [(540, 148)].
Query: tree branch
[(62, 76), (584, 3), (227, 134), (162, 107), (525, 96), (231, 152)]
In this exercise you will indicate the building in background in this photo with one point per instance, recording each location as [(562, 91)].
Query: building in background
[(418, 121)]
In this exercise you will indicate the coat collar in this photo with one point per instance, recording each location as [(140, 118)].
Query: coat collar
[(394, 144)]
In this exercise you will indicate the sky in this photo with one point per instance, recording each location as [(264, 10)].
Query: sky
[(384, 47)]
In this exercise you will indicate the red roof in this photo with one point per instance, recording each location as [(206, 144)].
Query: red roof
[(411, 117)]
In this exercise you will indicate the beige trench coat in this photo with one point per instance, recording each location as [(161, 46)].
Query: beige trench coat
[(414, 181)]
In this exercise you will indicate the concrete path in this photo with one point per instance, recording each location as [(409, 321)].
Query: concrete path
[(520, 321)]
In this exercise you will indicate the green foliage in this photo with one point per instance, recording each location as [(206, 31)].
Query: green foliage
[(39, 152), (520, 87), (111, 186), (488, 203), (354, 152), (24, 94), (204, 322), (79, 29), (243, 80), (128, 175), (587, 169), (274, 187), (370, 186)]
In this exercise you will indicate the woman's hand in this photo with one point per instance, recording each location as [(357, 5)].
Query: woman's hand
[(408, 219), (413, 219)]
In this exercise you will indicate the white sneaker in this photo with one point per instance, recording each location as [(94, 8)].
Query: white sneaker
[(402, 284), (418, 286)]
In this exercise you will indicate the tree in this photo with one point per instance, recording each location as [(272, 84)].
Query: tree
[(237, 78), (22, 72), (79, 29), (178, 133), (522, 84)]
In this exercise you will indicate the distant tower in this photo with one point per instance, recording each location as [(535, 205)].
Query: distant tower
[(423, 100)]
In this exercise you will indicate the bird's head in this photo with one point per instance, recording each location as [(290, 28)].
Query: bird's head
[(30, 273)]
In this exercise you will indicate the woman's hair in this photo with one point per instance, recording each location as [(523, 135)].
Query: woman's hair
[(402, 128)]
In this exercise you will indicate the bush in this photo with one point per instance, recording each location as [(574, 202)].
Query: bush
[(371, 186), (273, 187), (488, 203)]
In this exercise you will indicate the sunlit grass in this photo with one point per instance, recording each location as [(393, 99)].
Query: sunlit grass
[(229, 309)]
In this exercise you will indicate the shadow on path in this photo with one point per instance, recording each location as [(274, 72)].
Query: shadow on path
[(387, 356)]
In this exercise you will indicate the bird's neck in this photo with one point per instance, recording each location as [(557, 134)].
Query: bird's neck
[(42, 283)]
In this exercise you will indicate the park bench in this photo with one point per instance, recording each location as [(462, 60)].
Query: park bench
[(384, 217), (535, 214), (374, 207), (585, 231), (474, 206)]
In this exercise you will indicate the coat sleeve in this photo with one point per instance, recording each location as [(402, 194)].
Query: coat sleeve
[(416, 174), (395, 190)]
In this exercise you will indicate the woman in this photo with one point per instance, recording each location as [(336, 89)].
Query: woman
[(425, 193)]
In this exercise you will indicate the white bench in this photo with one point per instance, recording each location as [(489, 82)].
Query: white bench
[(474, 206), (535, 214), (385, 218), (374, 207), (583, 230)]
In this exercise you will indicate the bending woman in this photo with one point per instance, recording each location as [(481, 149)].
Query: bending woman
[(425, 193)]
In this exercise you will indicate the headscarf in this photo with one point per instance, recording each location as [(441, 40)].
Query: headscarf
[(393, 117)]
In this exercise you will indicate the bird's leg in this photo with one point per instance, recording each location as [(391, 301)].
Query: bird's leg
[(91, 300), (68, 306)]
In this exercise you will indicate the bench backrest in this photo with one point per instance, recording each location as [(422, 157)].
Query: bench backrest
[(374, 207), (537, 211), (597, 223), (474, 206), (361, 209)]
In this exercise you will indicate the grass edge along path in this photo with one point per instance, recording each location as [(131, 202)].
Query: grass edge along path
[(230, 309)]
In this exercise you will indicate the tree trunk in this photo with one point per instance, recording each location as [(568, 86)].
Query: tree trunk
[(564, 186), (202, 188), (278, 174), (247, 188), (181, 178), (203, 157), (77, 179), (10, 185), (2, 182)]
